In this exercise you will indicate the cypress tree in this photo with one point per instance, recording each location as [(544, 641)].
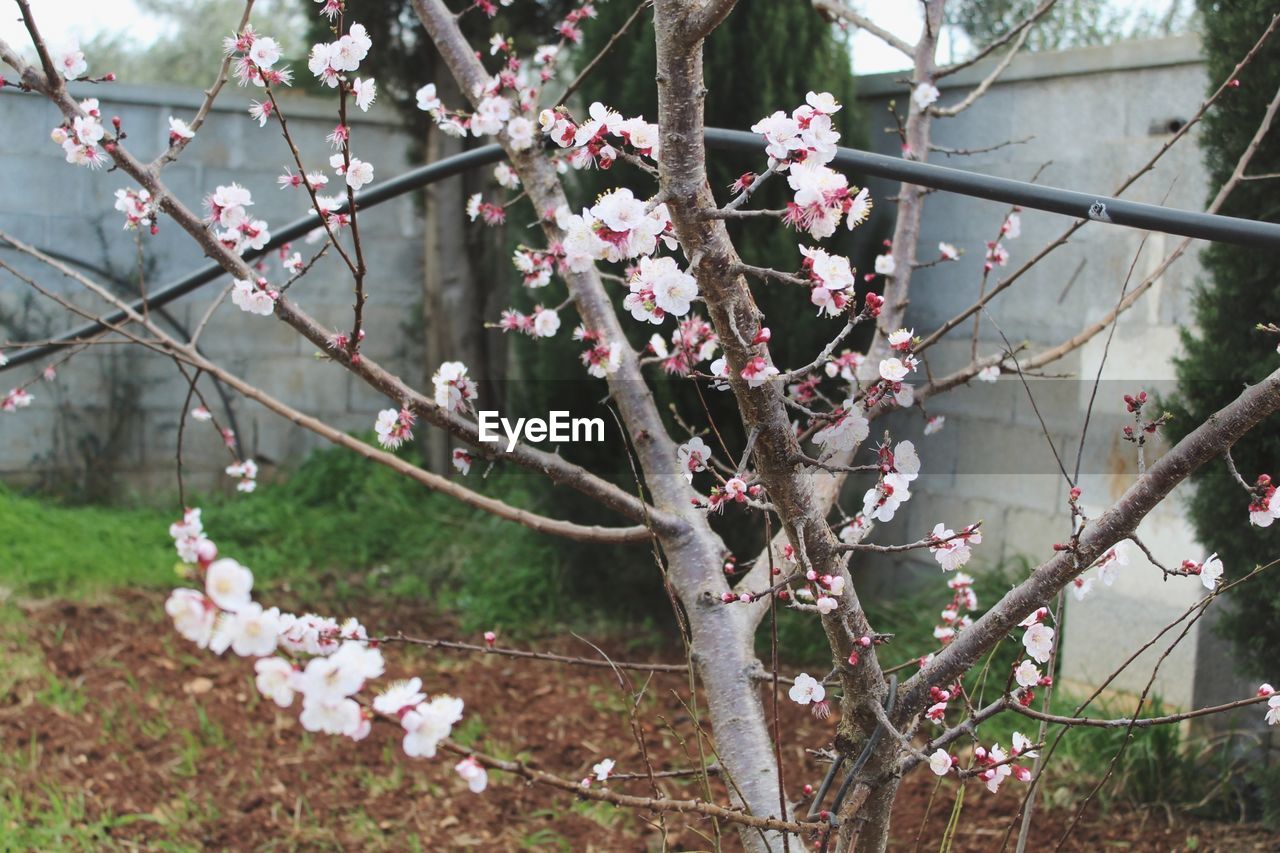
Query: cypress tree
[(1224, 350)]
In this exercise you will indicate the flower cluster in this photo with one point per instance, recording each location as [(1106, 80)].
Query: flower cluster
[(658, 288), (246, 473), (478, 208), (331, 62), (69, 60), (255, 58), (936, 713), (81, 136), (179, 130), (823, 590), (1107, 570), (190, 540), (139, 209), (757, 371), (536, 265), (591, 141), (894, 371), (254, 297), (733, 490), (953, 550), (602, 357), (327, 662), (542, 323), (1265, 506), (1209, 570), (1028, 676), (801, 145), (993, 765), (616, 228), (506, 177), (955, 617), (997, 254), (848, 429), (495, 111), (17, 398), (227, 210), (846, 364), (454, 390), (1273, 704), (898, 467), (997, 765), (833, 280), (1038, 639), (316, 180), (693, 342), (693, 456), (394, 427), (569, 31)]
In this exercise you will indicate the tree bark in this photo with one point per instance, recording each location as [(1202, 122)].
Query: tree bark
[(452, 322), (721, 636)]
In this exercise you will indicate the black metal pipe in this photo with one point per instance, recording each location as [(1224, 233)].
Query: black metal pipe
[(1113, 211), (397, 186)]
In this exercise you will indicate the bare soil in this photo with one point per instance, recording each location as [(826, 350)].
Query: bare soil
[(171, 747)]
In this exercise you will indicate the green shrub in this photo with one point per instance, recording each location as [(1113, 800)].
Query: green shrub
[(1224, 351)]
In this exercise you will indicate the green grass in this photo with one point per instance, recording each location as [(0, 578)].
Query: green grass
[(46, 549), (338, 527), (54, 819)]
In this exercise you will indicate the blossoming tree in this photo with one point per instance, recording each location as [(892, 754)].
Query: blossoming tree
[(808, 426)]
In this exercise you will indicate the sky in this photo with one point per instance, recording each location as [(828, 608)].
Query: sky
[(63, 19)]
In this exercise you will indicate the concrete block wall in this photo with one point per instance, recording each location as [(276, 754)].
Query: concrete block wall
[(68, 210), (1094, 115)]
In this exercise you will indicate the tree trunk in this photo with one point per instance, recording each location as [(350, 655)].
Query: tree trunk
[(453, 297)]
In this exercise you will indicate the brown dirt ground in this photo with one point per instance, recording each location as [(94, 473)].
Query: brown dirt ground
[(118, 709)]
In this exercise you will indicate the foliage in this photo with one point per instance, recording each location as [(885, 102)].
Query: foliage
[(1070, 23), (186, 55), (1224, 351), (410, 542)]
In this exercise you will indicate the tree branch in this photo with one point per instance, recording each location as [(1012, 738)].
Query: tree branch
[(839, 10), (981, 89), (995, 45), (1207, 442)]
